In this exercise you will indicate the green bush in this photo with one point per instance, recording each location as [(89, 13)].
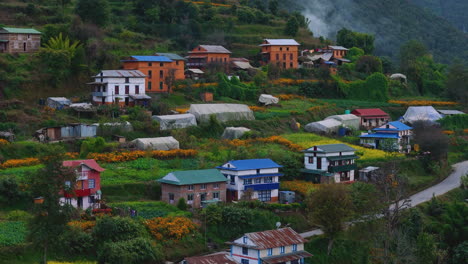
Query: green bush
[(18, 215), (136, 250), (12, 233), (454, 122), (113, 229), (75, 242)]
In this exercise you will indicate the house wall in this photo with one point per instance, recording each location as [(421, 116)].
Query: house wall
[(152, 70), (253, 255), (84, 174), (373, 122), (276, 250), (182, 191), (108, 90), (17, 41), (284, 56)]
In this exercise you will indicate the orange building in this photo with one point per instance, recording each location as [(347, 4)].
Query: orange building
[(202, 55), (160, 71), (177, 65), (282, 52)]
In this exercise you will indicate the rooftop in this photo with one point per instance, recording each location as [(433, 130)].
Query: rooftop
[(213, 49), (193, 177), (249, 164), (121, 74), (280, 42), (216, 258), (337, 48), (369, 112), (275, 238), (19, 30), (92, 164), (393, 126), (149, 58), (331, 148), (171, 56)]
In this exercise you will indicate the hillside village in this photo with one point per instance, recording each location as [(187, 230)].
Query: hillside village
[(291, 149)]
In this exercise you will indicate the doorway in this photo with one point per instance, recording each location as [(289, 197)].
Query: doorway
[(24, 46), (80, 202), (127, 101), (319, 163)]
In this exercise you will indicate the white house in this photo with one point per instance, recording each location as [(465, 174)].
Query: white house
[(261, 176), (330, 163), (123, 87), (282, 245)]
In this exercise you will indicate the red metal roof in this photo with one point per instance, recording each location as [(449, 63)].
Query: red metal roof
[(275, 238), (377, 112), (89, 162), (217, 258), (287, 257)]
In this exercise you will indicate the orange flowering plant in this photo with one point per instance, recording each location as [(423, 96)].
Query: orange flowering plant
[(273, 139), (422, 102), (133, 155), (173, 228), (83, 225), (302, 187)]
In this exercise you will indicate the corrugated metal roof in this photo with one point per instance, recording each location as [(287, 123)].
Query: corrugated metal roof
[(380, 135), (89, 162), (450, 112), (216, 258), (286, 257), (193, 177), (251, 164), (377, 112), (171, 56), (337, 47), (195, 71), (280, 42), (150, 58), (399, 126), (214, 49), (275, 238), (19, 30), (331, 148), (121, 74)]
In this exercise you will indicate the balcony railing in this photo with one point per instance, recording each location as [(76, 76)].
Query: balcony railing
[(341, 168), (99, 93), (262, 186)]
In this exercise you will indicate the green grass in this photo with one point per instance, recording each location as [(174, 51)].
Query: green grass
[(12, 233), (20, 173), (150, 209)]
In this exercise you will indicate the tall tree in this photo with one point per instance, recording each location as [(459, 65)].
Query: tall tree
[(457, 83), (292, 26), (349, 39), (51, 217), (330, 207), (273, 6), (93, 11)]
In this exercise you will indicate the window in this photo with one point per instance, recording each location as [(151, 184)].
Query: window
[(387, 126), (364, 120), (270, 251), (282, 250), (277, 56), (258, 180), (245, 251), (91, 183), (244, 261), (268, 180), (224, 59), (161, 85), (244, 240), (116, 88), (68, 200), (150, 64), (258, 171), (216, 195), (264, 196), (161, 64), (215, 185), (311, 160), (149, 85), (203, 186), (189, 197), (233, 179), (127, 89), (127, 80), (247, 181), (177, 63), (344, 176), (150, 74), (91, 199), (68, 184), (29, 36), (137, 89), (294, 248), (281, 48), (291, 65), (296, 261), (284, 64), (284, 56), (291, 56), (287, 48), (190, 187), (171, 197), (161, 74)]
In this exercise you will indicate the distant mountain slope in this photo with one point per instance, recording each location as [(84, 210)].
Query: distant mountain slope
[(392, 21), (455, 11)]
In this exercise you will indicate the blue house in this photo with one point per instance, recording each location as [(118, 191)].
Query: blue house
[(393, 136), (256, 178)]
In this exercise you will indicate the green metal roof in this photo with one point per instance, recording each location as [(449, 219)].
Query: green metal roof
[(4, 40), (331, 148), (193, 177), (319, 172), (346, 157), (171, 56), (21, 30)]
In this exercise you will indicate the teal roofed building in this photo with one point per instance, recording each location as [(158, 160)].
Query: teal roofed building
[(19, 40), (330, 163), (197, 187)]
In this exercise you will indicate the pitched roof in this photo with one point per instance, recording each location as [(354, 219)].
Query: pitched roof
[(20, 30), (121, 74), (380, 135), (216, 258), (275, 238), (337, 47), (150, 58), (193, 177), (450, 112), (282, 42), (369, 112), (214, 49), (399, 126), (331, 148), (171, 56), (92, 164), (251, 164)]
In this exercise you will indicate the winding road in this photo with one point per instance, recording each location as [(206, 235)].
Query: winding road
[(450, 183)]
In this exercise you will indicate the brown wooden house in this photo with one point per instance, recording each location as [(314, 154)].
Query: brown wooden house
[(19, 40)]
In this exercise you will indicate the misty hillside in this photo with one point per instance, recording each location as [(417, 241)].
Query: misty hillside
[(392, 21), (455, 11)]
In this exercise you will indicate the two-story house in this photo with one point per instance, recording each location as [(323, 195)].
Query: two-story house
[(330, 163), (393, 136), (371, 118), (252, 179), (88, 184), (197, 187), (122, 87), (282, 52), (283, 245), (177, 66), (202, 55), (19, 40), (160, 71)]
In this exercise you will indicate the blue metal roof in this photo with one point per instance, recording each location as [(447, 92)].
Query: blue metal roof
[(260, 175), (151, 58), (399, 127), (381, 135), (262, 187), (251, 164)]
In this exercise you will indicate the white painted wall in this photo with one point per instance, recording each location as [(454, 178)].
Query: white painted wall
[(112, 82)]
